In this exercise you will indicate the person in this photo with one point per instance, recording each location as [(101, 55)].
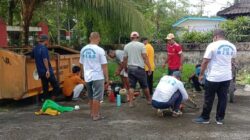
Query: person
[(73, 84), (151, 56), (41, 55), (135, 59), (170, 93), (94, 63), (118, 55), (174, 57), (194, 77), (217, 59)]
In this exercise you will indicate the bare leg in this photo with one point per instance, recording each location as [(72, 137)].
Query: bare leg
[(91, 107), (131, 96), (96, 110), (147, 94)]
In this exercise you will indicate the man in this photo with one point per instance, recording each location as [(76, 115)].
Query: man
[(41, 55), (135, 59), (73, 84), (175, 57), (170, 92), (195, 79), (151, 56), (94, 62), (217, 60), (118, 55)]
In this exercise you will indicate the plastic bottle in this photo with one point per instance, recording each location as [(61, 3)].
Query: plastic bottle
[(118, 100)]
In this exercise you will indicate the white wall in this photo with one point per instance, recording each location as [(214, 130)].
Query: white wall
[(199, 25)]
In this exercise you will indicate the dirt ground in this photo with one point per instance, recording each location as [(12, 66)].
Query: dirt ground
[(18, 122)]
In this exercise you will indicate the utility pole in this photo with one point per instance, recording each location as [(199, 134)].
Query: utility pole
[(58, 21)]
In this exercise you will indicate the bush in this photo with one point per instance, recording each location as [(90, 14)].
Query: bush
[(196, 37)]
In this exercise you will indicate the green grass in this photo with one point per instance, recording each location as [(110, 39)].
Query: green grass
[(188, 69)]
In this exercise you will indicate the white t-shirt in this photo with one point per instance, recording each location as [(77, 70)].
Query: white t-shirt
[(119, 55), (92, 57), (220, 54), (167, 86)]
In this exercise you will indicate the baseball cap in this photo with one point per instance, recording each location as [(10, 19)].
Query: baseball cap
[(170, 36), (43, 37), (177, 74), (134, 34)]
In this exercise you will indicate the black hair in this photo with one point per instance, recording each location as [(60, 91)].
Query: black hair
[(76, 69), (143, 39), (219, 32), (109, 51)]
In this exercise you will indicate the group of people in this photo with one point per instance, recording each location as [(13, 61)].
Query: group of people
[(136, 64)]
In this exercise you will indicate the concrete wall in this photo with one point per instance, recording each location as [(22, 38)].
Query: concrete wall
[(193, 53)]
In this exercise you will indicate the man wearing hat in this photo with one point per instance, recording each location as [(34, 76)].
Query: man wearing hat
[(135, 58), (170, 93), (41, 55), (174, 58)]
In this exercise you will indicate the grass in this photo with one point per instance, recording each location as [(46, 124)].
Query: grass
[(243, 78), (188, 69)]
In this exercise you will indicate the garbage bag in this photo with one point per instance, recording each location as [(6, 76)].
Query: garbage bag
[(53, 105)]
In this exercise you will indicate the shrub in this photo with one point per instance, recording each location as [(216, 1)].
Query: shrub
[(196, 37)]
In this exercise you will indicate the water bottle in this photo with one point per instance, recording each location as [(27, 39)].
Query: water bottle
[(118, 100)]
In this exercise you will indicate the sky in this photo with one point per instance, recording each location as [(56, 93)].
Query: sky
[(211, 6)]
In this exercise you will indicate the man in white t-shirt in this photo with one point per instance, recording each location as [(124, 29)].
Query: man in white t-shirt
[(217, 62), (94, 62), (170, 93)]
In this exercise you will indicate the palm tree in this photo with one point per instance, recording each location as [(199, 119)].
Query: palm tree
[(124, 12)]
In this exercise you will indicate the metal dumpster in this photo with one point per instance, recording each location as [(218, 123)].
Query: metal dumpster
[(18, 75)]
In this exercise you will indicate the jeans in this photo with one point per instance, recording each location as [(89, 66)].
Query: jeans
[(150, 82), (53, 82), (174, 102), (221, 88)]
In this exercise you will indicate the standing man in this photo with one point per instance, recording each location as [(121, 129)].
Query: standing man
[(217, 60), (118, 55), (151, 58), (94, 62), (175, 57), (135, 59), (41, 55)]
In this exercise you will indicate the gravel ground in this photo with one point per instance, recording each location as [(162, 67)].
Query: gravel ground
[(18, 122)]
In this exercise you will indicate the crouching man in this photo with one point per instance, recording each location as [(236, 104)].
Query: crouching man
[(170, 93)]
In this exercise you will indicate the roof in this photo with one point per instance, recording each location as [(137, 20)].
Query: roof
[(242, 8), (184, 19)]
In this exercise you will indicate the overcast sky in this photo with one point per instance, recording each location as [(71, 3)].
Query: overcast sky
[(211, 6)]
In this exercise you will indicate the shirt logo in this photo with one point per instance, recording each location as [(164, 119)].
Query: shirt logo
[(89, 54), (225, 50), (171, 82)]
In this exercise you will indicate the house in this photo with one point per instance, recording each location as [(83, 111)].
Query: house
[(199, 24), (240, 8)]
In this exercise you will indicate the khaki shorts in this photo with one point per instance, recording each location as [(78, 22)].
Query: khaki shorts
[(95, 89)]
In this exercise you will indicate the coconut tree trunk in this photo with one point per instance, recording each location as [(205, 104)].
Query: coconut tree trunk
[(27, 9)]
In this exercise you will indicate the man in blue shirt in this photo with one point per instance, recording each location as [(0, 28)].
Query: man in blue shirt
[(41, 55)]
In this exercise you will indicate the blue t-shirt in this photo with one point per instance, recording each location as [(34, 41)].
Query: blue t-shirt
[(39, 53)]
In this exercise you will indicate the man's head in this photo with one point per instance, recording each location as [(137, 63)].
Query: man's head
[(170, 38), (218, 34), (144, 40), (177, 75), (44, 39), (94, 38), (134, 36), (76, 70), (111, 53)]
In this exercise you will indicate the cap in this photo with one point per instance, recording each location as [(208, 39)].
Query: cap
[(43, 37), (177, 74), (134, 34), (170, 36)]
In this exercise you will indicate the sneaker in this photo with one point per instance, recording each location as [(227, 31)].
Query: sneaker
[(219, 122), (200, 120), (177, 113)]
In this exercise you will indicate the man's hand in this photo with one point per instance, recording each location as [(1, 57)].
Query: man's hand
[(163, 66), (180, 68), (47, 74), (201, 78), (106, 85), (149, 72), (117, 72)]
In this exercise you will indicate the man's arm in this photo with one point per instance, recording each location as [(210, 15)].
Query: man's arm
[(165, 62), (181, 61), (119, 69), (146, 61), (125, 62), (183, 92), (105, 73), (204, 65), (46, 64)]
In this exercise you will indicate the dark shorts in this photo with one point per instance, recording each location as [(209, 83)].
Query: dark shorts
[(137, 74)]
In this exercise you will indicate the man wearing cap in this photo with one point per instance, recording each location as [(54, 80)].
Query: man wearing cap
[(175, 57), (170, 93), (151, 56), (135, 58), (41, 55), (217, 62)]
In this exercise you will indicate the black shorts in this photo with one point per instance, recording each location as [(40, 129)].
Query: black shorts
[(137, 74)]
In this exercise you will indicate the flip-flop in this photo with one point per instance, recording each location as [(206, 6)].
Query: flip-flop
[(97, 118)]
